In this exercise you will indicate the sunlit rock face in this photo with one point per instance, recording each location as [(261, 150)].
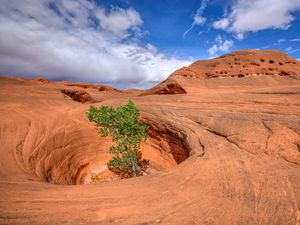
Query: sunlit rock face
[(243, 63), (223, 148)]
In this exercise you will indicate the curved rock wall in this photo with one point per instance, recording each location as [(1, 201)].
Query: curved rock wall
[(236, 139)]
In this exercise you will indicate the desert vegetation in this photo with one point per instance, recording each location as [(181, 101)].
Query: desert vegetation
[(127, 132)]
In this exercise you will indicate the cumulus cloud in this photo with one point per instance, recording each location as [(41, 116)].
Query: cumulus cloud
[(221, 45), (118, 21), (255, 15), (221, 24), (198, 18), (78, 41)]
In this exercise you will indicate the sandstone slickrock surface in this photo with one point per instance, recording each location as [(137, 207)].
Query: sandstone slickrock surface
[(225, 152)]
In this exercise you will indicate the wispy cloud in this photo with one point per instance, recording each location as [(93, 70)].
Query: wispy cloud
[(281, 40), (293, 51), (79, 41), (288, 49), (198, 18), (288, 40), (295, 40)]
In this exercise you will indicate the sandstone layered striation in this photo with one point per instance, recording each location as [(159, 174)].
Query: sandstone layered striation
[(226, 150)]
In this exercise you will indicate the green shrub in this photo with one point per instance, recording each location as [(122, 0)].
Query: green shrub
[(123, 126)]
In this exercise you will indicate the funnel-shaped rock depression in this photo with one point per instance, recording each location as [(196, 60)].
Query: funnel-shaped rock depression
[(56, 143), (68, 156), (65, 155)]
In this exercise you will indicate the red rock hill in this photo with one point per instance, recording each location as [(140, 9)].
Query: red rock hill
[(243, 63)]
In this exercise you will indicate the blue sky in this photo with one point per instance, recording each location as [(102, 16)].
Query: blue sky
[(136, 43), (166, 21)]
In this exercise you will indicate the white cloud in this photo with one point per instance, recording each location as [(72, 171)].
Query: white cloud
[(221, 45), (221, 24), (151, 48), (213, 49), (198, 18), (295, 40), (78, 41), (281, 40), (288, 40), (118, 21), (288, 49), (294, 50), (256, 15), (239, 36)]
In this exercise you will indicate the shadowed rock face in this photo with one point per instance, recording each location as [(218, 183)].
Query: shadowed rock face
[(172, 88), (42, 79), (79, 96), (167, 87), (225, 152)]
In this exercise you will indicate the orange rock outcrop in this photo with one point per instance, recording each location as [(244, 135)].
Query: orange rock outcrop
[(226, 151)]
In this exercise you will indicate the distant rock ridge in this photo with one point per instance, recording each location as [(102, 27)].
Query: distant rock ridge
[(93, 86), (242, 63), (238, 64)]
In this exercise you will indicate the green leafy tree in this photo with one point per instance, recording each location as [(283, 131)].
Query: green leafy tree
[(126, 131)]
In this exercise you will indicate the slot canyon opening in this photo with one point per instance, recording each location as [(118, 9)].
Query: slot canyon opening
[(164, 148)]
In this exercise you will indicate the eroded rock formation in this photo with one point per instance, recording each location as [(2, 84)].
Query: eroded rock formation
[(77, 95), (225, 152), (243, 63), (167, 87)]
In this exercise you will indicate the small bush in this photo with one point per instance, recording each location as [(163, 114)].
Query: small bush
[(122, 124)]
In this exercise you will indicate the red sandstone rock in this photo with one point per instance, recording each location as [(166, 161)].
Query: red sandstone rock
[(236, 139), (243, 63), (93, 86), (42, 79), (168, 87), (79, 96)]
